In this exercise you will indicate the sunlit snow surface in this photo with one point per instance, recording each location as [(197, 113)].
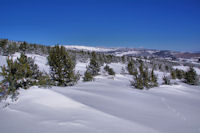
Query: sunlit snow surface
[(104, 106)]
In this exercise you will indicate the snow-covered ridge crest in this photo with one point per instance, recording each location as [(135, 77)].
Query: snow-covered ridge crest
[(87, 48)]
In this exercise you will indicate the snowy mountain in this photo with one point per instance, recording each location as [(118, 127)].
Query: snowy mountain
[(136, 52), (87, 48)]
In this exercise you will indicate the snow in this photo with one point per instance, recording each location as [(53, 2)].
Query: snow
[(128, 53), (103, 106), (185, 68), (2, 62), (87, 48)]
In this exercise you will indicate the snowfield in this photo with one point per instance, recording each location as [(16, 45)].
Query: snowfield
[(87, 48), (106, 105)]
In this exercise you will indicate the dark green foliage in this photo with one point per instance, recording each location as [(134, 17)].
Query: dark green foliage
[(109, 70), (166, 80), (143, 78), (173, 74), (191, 77), (3, 44), (153, 79), (137, 82), (21, 73), (23, 47), (179, 73), (61, 67), (93, 67), (131, 67), (123, 59), (88, 76)]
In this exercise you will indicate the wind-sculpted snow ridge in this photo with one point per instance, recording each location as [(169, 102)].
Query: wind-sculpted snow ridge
[(44, 110), (105, 105)]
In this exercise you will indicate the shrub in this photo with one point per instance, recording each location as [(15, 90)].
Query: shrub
[(191, 77), (61, 67)]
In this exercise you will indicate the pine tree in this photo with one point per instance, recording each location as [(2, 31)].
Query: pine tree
[(173, 74), (21, 73), (88, 76), (146, 78), (3, 44), (154, 82), (93, 67), (191, 77), (23, 47), (131, 67), (137, 82), (61, 67), (109, 70), (179, 73)]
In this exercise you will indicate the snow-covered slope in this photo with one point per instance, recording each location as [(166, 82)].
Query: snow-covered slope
[(106, 105), (2, 62), (87, 48)]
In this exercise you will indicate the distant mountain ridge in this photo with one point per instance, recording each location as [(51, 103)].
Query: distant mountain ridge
[(136, 52)]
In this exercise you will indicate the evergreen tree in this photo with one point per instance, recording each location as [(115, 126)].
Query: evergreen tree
[(21, 73), (146, 78), (93, 67), (23, 47), (143, 79), (131, 67), (179, 73), (154, 82), (61, 67), (88, 76), (137, 81), (191, 77), (123, 59), (3, 44), (173, 74), (109, 70)]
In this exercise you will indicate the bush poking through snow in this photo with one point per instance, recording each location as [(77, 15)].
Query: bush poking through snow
[(173, 74), (142, 78), (131, 67), (109, 70), (21, 73), (179, 74), (191, 77), (87, 76)]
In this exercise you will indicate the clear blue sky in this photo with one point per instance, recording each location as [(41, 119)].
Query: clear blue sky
[(156, 24)]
